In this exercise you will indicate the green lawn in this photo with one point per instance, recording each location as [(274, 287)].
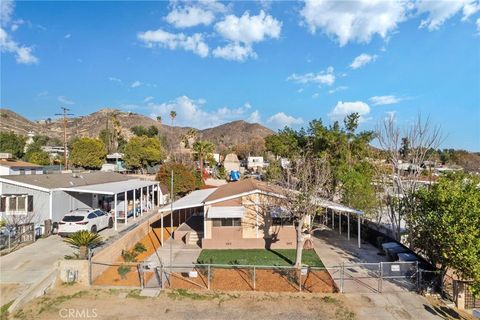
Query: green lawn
[(280, 257)]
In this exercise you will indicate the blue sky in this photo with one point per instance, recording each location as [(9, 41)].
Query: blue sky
[(277, 63)]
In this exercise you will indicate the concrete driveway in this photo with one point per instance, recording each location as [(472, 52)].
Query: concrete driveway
[(30, 264), (393, 302)]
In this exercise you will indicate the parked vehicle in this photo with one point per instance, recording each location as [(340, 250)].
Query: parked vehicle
[(392, 253), (92, 220)]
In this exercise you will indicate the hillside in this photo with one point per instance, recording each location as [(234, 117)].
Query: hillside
[(90, 126)]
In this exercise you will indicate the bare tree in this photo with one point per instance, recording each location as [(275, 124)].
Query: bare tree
[(307, 182), (399, 187)]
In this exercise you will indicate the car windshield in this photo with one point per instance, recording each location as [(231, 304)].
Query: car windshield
[(72, 218)]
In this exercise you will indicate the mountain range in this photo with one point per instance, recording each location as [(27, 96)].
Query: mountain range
[(222, 136)]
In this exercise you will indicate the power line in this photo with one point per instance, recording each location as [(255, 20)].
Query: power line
[(65, 114)]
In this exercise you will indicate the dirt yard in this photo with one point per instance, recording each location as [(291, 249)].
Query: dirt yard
[(74, 302), (238, 279), (111, 277)]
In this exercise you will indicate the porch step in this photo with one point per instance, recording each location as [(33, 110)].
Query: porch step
[(194, 237)]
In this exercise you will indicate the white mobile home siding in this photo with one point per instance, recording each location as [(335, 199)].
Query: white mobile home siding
[(41, 200)]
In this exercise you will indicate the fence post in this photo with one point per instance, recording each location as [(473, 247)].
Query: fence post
[(208, 277), (380, 288), (161, 276), (419, 275), (9, 240), (300, 280), (254, 278), (342, 277)]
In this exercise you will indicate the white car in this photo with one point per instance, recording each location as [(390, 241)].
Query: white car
[(92, 220)]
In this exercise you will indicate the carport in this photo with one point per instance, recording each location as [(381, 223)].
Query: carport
[(148, 194), (193, 203), (340, 208)]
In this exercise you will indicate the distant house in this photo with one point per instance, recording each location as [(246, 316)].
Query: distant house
[(255, 163), (9, 166)]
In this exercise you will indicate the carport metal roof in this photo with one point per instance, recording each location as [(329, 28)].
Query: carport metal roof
[(192, 200), (335, 206), (112, 188)]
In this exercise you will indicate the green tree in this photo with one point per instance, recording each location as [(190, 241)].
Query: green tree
[(274, 172), (83, 240), (183, 178), (405, 148), (12, 143), (38, 157), (88, 153), (173, 115), (142, 151), (284, 144), (445, 225), (203, 150)]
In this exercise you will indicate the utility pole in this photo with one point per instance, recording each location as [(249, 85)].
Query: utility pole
[(65, 114)]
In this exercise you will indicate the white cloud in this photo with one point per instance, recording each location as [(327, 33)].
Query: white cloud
[(148, 99), (65, 101), (326, 77), (172, 41), (23, 54), (354, 21), (339, 88), (189, 17), (115, 79), (255, 117), (192, 112), (384, 100), (234, 51), (440, 11), (67, 36), (6, 11), (242, 32), (280, 120), (342, 109), (315, 95), (136, 84), (249, 29), (362, 60)]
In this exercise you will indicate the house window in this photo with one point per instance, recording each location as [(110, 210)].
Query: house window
[(227, 222), (282, 221), (22, 171), (16, 204)]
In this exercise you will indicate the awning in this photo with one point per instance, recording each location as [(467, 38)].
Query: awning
[(225, 212), (112, 188), (335, 206), (191, 200)]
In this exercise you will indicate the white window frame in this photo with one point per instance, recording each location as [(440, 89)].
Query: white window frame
[(8, 210)]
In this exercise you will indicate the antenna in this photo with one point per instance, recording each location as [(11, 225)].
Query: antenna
[(65, 114)]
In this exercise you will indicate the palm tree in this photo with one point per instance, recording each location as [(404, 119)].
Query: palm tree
[(159, 119), (173, 115), (83, 240), (203, 150)]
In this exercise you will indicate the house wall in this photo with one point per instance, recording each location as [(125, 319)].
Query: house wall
[(63, 202), (41, 201), (251, 234)]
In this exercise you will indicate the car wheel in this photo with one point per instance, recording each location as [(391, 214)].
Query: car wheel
[(110, 223), (94, 229)]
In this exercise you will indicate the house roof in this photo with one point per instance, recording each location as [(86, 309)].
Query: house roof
[(18, 164), (66, 180), (241, 187), (112, 188), (191, 200)]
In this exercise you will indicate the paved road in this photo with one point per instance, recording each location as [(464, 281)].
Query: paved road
[(395, 302)]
